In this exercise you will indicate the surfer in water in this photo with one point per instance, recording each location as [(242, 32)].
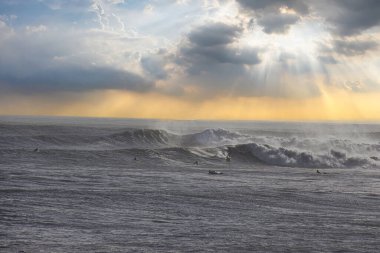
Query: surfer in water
[(36, 150), (196, 163), (228, 157), (214, 172)]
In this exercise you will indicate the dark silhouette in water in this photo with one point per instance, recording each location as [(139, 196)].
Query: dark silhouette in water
[(196, 162), (375, 158), (214, 172), (135, 158), (318, 172), (36, 150), (228, 158)]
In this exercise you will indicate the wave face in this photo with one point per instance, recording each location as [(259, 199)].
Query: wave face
[(306, 148), (212, 137), (295, 158)]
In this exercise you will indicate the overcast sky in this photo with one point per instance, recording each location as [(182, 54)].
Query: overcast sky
[(231, 59)]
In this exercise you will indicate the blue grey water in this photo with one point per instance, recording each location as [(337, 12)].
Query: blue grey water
[(115, 185)]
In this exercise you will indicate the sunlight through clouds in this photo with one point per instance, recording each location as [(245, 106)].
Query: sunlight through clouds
[(196, 51)]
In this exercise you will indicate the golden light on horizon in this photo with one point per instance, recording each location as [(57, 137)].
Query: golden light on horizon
[(333, 104)]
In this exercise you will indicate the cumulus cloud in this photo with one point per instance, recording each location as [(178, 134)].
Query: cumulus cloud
[(213, 44), (217, 63), (214, 34), (275, 16), (278, 22)]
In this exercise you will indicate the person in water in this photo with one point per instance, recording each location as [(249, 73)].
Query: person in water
[(318, 172), (196, 162), (214, 172)]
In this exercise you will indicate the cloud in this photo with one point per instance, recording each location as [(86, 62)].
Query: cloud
[(275, 16), (53, 61), (72, 4), (153, 66), (298, 6), (353, 48), (36, 29), (345, 17), (278, 22), (216, 63), (73, 78), (213, 44), (345, 47), (208, 49), (214, 34), (350, 17), (327, 59)]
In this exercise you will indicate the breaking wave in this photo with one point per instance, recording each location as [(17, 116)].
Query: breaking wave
[(285, 157), (287, 151)]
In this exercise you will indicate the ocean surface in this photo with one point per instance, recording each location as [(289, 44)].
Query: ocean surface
[(118, 185)]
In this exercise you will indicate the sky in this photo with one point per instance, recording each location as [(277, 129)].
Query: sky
[(191, 59)]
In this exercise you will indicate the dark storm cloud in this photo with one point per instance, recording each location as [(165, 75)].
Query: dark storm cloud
[(350, 17), (211, 45)]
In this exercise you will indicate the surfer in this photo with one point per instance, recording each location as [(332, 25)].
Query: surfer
[(214, 172), (196, 163), (135, 158), (228, 158), (36, 150), (318, 172)]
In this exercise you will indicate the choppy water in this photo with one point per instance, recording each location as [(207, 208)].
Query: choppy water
[(106, 185)]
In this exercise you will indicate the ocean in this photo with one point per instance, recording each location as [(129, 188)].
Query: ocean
[(128, 185)]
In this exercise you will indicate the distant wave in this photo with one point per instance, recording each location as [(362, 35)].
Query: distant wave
[(212, 137), (144, 136), (286, 151)]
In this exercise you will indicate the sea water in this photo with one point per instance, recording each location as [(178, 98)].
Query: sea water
[(118, 185)]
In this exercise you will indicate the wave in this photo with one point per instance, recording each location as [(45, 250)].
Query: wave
[(212, 137), (144, 136), (126, 138), (288, 151), (285, 157)]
